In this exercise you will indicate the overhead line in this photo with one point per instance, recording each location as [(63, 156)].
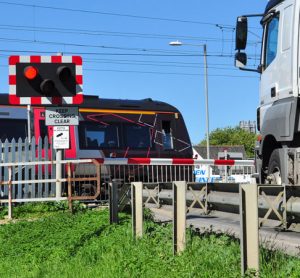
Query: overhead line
[(217, 25), (113, 14), (160, 65), (169, 73), (164, 73), (137, 62), (102, 53), (124, 54), (97, 46), (111, 33)]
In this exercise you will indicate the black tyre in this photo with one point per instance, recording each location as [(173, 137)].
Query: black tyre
[(274, 168)]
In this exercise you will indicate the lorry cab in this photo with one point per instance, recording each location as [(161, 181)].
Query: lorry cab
[(278, 112)]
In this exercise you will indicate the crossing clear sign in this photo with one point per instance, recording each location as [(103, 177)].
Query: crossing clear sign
[(61, 116)]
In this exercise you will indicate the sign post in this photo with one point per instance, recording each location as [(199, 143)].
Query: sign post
[(61, 118)]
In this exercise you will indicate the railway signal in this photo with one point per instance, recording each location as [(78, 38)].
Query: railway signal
[(46, 80)]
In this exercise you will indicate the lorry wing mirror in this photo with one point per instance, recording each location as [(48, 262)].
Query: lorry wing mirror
[(240, 59), (241, 33)]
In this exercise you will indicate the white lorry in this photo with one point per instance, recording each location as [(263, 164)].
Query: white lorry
[(278, 114)]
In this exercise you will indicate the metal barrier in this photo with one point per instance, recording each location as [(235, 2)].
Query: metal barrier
[(248, 197), (276, 205), (280, 203), (164, 170), (75, 184)]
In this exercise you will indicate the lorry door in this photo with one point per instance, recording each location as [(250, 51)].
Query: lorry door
[(277, 63)]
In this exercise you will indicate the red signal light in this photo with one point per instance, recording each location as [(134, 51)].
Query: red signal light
[(30, 72)]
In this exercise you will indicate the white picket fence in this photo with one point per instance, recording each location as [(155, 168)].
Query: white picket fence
[(27, 151)]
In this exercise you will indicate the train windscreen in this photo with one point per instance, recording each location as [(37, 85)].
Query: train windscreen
[(137, 137), (97, 136)]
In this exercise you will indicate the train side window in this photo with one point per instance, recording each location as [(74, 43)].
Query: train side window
[(167, 135), (13, 128), (137, 137), (98, 136)]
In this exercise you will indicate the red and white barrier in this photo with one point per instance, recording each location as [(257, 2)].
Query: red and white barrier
[(174, 161)]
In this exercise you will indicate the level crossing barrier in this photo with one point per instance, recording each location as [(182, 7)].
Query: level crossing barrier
[(162, 170)]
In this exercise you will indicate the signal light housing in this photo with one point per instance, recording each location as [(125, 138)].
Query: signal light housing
[(47, 87), (64, 73), (30, 72), (45, 80)]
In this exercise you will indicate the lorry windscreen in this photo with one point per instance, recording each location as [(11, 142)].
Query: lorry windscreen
[(12, 128)]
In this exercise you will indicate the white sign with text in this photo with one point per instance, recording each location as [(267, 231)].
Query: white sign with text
[(61, 137)]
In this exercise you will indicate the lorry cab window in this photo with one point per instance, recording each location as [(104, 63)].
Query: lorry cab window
[(271, 43)]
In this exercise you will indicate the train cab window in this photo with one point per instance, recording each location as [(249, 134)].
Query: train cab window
[(137, 137), (167, 135), (98, 136), (13, 128)]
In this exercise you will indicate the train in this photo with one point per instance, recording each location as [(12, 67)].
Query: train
[(107, 128)]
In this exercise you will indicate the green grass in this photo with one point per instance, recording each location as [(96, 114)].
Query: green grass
[(85, 245)]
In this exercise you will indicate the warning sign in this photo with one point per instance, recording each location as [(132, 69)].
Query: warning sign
[(61, 116), (61, 138)]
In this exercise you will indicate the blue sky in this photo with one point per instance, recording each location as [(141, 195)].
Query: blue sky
[(124, 45)]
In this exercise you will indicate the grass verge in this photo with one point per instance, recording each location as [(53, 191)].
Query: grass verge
[(85, 245)]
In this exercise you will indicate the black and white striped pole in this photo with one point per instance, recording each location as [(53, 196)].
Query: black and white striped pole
[(137, 209), (179, 216)]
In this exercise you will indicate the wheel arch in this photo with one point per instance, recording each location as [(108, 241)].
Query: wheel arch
[(268, 146)]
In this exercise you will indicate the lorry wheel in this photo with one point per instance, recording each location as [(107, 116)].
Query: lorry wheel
[(274, 171)]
